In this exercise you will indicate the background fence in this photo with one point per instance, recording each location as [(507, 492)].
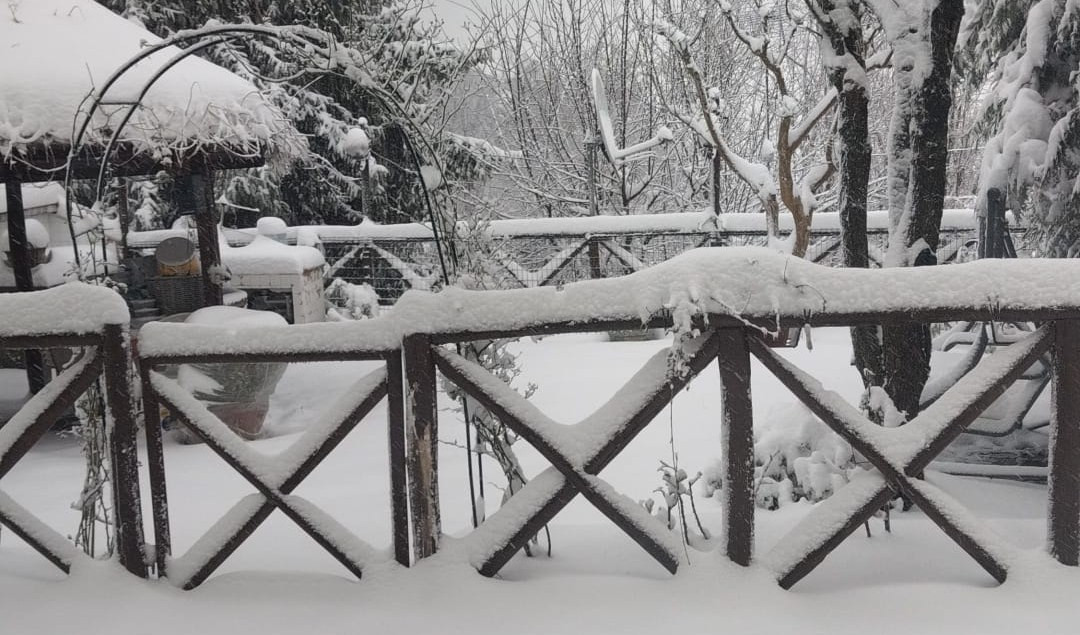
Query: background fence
[(525, 253)]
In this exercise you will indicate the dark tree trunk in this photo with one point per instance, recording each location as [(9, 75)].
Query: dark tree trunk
[(853, 105), (906, 347)]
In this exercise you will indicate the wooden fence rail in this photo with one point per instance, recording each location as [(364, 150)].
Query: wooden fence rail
[(274, 486), (412, 345)]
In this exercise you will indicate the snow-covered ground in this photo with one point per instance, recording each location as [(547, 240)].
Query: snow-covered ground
[(914, 580)]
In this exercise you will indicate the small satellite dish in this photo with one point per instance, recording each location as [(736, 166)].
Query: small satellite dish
[(614, 153), (603, 116)]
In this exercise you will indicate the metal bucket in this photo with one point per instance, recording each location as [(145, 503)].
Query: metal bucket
[(176, 256)]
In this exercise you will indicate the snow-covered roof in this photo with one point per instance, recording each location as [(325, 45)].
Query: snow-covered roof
[(55, 53)]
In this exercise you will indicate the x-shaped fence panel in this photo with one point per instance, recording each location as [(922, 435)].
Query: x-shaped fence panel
[(104, 354), (576, 453), (275, 477), (900, 455), (21, 432)]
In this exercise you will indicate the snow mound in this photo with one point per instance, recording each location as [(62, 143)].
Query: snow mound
[(264, 255), (74, 308)]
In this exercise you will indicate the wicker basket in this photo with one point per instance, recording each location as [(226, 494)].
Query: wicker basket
[(177, 294)]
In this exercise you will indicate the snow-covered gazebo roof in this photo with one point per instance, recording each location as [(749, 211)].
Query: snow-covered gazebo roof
[(55, 53)]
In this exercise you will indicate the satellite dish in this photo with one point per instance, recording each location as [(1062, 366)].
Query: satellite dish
[(603, 116), (614, 153)]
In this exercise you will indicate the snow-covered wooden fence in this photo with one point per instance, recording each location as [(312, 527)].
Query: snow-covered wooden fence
[(274, 478), (537, 252), (722, 304), (91, 322)]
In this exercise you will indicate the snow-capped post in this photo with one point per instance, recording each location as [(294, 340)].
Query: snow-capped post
[(422, 434), (123, 449), (396, 442), (198, 190), (737, 446), (1063, 516), (19, 248)]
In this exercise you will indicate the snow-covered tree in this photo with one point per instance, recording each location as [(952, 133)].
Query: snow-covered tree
[(844, 56), (922, 35), (389, 73), (770, 34), (1026, 55)]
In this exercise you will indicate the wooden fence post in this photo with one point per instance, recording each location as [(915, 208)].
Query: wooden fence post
[(1063, 517), (123, 449), (399, 496), (595, 270), (155, 459), (737, 439), (422, 432)]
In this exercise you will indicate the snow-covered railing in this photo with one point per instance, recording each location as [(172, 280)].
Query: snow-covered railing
[(724, 303), (552, 251), (275, 478), (93, 321)]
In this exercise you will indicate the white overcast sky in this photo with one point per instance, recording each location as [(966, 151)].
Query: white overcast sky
[(456, 13)]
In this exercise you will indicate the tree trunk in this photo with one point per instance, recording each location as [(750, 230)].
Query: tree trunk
[(853, 105), (906, 354)]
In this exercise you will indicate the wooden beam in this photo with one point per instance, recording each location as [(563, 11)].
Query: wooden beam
[(422, 432), (123, 448), (737, 446), (395, 423), (42, 163), (19, 250), (201, 192), (1063, 517)]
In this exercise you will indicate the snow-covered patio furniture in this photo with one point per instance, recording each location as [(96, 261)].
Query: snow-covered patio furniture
[(268, 264)]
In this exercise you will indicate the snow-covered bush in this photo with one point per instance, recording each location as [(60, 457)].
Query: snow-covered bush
[(348, 301), (796, 457)]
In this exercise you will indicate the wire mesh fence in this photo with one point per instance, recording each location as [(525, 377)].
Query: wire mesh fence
[(392, 266)]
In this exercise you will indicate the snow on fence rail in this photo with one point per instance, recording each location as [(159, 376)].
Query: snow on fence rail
[(551, 251), (729, 299)]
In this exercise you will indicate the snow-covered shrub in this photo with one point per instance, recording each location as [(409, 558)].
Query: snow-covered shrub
[(348, 301), (797, 457), (676, 492)]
